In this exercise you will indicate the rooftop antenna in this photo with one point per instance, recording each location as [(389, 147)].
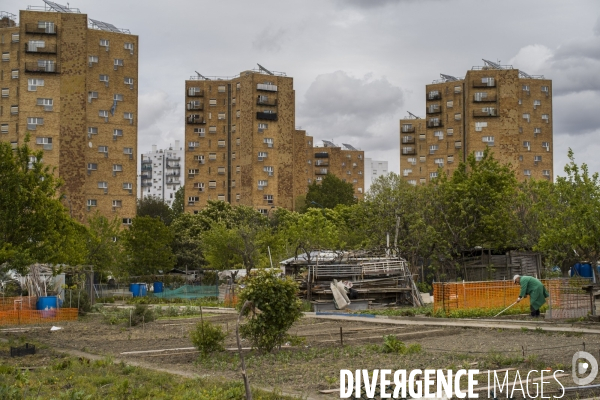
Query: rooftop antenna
[(413, 115), (263, 69), (449, 78), (201, 76)]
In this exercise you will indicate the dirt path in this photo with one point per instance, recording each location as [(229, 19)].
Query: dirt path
[(462, 323)]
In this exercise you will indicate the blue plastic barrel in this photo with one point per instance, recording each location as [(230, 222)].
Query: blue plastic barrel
[(158, 287), (143, 289), (585, 270), (131, 287), (47, 303), (135, 289)]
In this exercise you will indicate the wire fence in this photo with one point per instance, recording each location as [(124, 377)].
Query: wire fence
[(567, 298)]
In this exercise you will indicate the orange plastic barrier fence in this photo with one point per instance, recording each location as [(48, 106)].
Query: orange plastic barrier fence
[(28, 317), (17, 303), (486, 295), (230, 300)]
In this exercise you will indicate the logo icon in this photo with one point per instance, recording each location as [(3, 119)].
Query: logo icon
[(583, 367)]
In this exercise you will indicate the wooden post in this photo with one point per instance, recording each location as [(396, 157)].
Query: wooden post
[(243, 363), (341, 337)]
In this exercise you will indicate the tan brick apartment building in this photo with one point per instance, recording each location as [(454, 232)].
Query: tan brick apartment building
[(71, 82), (241, 143), (345, 162), (492, 106)]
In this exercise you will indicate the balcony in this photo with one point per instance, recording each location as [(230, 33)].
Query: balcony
[(434, 96), (147, 175), (322, 163), (47, 49), (409, 151), (434, 110), (322, 155), (479, 84), (266, 116), (407, 129), (173, 174), (192, 106), (434, 124), (408, 139), (266, 102), (146, 184), (146, 168), (196, 119), (458, 145), (322, 171), (492, 112), (44, 30), (173, 158), (483, 99), (266, 87), (50, 68), (191, 93)]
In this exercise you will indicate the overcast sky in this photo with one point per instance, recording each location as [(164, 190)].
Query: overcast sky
[(359, 65)]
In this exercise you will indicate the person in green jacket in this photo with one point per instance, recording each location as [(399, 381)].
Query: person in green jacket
[(535, 289)]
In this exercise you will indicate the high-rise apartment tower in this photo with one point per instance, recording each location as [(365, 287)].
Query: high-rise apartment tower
[(241, 141), (492, 106), (71, 83)]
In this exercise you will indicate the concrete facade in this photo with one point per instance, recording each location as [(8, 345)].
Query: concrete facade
[(162, 173), (492, 106), (373, 170), (74, 90)]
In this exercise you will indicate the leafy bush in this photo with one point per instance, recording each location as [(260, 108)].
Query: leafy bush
[(278, 305), (140, 314), (207, 337), (391, 344)]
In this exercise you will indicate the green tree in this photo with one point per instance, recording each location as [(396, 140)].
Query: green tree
[(572, 226), (154, 207), (34, 224), (279, 307), (178, 203), (103, 252), (240, 243), (329, 193), (147, 245), (311, 231), (187, 245)]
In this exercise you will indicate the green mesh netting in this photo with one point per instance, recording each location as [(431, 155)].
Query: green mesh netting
[(189, 292)]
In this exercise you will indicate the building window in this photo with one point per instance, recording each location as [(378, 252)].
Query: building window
[(6, 56), (221, 88), (117, 168), (102, 185), (268, 142), (117, 133), (32, 84), (438, 134), (5, 92), (92, 167), (262, 155), (128, 116), (221, 115), (527, 117), (14, 38), (450, 104), (546, 117), (103, 78), (127, 186), (212, 156), (527, 172), (489, 81), (488, 139), (212, 102), (118, 62), (33, 122), (127, 221), (105, 43), (439, 162), (116, 203), (536, 104), (527, 145), (433, 148), (478, 155), (92, 203), (433, 175), (92, 60), (129, 81), (537, 159), (545, 89), (262, 184), (4, 128), (546, 145), (450, 131), (480, 125), (129, 46)]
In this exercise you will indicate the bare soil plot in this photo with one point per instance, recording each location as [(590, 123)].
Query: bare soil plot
[(315, 364)]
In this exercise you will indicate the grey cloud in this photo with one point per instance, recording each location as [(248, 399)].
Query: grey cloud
[(368, 4), (270, 39), (597, 27), (577, 113), (359, 111)]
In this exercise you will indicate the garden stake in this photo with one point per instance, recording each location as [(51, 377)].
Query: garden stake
[(341, 337)]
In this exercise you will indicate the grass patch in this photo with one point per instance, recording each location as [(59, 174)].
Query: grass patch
[(72, 378), (401, 311)]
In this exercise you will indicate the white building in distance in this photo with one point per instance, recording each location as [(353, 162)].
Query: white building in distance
[(161, 173), (373, 170)]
